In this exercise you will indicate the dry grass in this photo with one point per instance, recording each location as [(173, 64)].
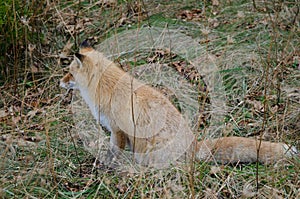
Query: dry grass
[(253, 51)]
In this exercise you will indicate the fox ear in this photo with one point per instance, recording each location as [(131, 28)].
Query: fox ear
[(79, 59), (86, 46)]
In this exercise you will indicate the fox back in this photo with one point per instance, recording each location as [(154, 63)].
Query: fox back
[(139, 116), (134, 113)]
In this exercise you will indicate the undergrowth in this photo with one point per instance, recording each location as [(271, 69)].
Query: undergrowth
[(254, 45)]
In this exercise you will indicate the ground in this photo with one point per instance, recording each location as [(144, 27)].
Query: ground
[(231, 67)]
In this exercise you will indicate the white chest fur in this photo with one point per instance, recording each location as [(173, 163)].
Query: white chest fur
[(100, 117)]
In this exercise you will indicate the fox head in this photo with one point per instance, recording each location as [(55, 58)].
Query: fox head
[(79, 69)]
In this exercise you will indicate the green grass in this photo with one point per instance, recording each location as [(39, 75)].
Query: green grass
[(42, 156)]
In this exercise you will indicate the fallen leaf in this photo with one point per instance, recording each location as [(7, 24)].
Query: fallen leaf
[(215, 3), (240, 14), (191, 15), (215, 170), (3, 115), (213, 22), (179, 66), (257, 105), (230, 40), (32, 113), (205, 31), (31, 48), (121, 187), (24, 143), (16, 119), (107, 2), (33, 138), (248, 191), (37, 127), (34, 69)]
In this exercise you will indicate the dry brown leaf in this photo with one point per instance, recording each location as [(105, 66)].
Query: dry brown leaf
[(24, 143), (16, 119), (121, 187), (31, 48), (32, 113), (179, 66), (109, 2), (240, 14), (215, 170), (194, 14), (205, 31), (37, 127), (123, 19), (34, 69), (213, 22), (152, 59), (210, 193), (230, 40), (3, 114), (248, 191), (36, 138), (215, 3), (257, 105)]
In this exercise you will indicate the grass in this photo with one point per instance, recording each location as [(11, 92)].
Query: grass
[(255, 52)]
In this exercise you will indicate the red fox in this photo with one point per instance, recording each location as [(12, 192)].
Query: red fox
[(145, 120)]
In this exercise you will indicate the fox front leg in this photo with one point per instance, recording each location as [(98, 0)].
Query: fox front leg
[(118, 142)]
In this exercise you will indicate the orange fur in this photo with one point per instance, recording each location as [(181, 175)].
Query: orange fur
[(141, 117)]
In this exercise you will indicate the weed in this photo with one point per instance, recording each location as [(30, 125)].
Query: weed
[(253, 45)]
